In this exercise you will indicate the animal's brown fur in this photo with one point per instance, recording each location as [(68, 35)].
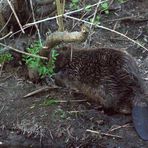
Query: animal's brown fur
[(107, 76)]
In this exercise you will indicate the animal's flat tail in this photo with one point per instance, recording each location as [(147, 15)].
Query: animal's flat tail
[(140, 118)]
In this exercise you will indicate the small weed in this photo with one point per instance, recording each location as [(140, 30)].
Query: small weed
[(105, 7), (46, 68), (61, 113), (96, 21), (74, 4), (88, 8), (49, 102), (6, 57), (122, 1)]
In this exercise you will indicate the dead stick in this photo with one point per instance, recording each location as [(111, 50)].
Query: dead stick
[(71, 101), (22, 52), (75, 111), (111, 135), (6, 35), (46, 88), (119, 127), (104, 134), (17, 19), (130, 18)]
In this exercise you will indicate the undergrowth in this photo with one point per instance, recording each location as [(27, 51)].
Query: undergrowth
[(44, 68), (5, 57)]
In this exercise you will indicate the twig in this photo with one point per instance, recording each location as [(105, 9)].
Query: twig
[(94, 16), (111, 135), (5, 78), (17, 19), (104, 134), (23, 28), (2, 108), (46, 88), (39, 35), (1, 68), (26, 53), (146, 79), (69, 132), (77, 111), (71, 101), (95, 13), (139, 34), (65, 101), (130, 18), (51, 134), (6, 23), (119, 127), (6, 35)]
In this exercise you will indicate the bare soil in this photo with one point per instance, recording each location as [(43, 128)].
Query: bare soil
[(28, 122)]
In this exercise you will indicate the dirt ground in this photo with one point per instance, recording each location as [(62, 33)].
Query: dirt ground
[(30, 122)]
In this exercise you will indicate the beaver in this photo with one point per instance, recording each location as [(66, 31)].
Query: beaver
[(109, 77)]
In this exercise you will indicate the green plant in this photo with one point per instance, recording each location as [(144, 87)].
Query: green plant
[(49, 102), (105, 7), (60, 113), (88, 8), (74, 4), (5, 57), (95, 21), (43, 68), (122, 1)]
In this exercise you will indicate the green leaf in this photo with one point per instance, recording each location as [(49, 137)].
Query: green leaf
[(6, 57), (75, 1), (96, 20), (106, 12), (88, 8), (105, 5), (122, 1), (49, 102)]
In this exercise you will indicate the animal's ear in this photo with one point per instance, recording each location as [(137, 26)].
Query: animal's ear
[(140, 120)]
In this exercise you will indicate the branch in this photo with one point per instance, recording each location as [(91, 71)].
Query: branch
[(5, 25), (17, 19), (22, 52), (40, 90), (34, 21), (60, 11), (66, 37), (6, 35), (104, 134)]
